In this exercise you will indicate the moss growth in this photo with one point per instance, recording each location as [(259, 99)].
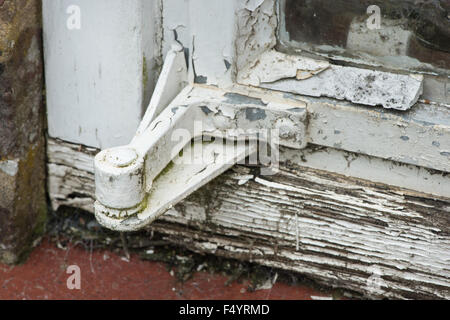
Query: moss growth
[(165, 170), (41, 222), (36, 234), (144, 73), (30, 207), (21, 132)]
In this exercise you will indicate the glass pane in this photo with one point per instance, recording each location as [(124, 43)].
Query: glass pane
[(410, 34)]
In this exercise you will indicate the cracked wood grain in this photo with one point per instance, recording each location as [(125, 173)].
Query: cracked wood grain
[(338, 230)]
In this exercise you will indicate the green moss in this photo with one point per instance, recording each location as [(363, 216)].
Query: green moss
[(165, 170), (30, 206), (144, 73), (36, 234), (41, 222), (26, 216)]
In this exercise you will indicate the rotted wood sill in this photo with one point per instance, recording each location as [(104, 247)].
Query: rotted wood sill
[(340, 231)]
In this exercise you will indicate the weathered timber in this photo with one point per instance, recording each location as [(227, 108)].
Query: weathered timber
[(381, 240)]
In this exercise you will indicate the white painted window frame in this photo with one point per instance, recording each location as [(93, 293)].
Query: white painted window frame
[(130, 204), (418, 138)]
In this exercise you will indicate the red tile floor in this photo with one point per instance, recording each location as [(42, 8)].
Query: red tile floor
[(105, 275)]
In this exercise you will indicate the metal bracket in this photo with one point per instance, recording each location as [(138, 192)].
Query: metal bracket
[(219, 127), (212, 128)]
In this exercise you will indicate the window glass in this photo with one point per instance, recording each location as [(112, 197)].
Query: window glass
[(405, 34)]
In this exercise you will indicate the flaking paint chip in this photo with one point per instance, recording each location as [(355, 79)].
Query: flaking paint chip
[(273, 66), (304, 76)]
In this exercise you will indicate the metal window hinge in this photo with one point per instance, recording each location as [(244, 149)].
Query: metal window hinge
[(215, 128), (189, 135)]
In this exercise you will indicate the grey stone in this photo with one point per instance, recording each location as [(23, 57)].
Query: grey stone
[(22, 142)]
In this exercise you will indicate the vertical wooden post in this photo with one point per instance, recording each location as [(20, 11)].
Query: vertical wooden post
[(100, 58)]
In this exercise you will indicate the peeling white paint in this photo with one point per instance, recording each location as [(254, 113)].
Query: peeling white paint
[(274, 70), (256, 31), (206, 30), (272, 66), (312, 220), (252, 5), (369, 224), (416, 137)]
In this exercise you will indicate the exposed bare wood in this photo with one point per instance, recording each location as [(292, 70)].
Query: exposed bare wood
[(382, 240)]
